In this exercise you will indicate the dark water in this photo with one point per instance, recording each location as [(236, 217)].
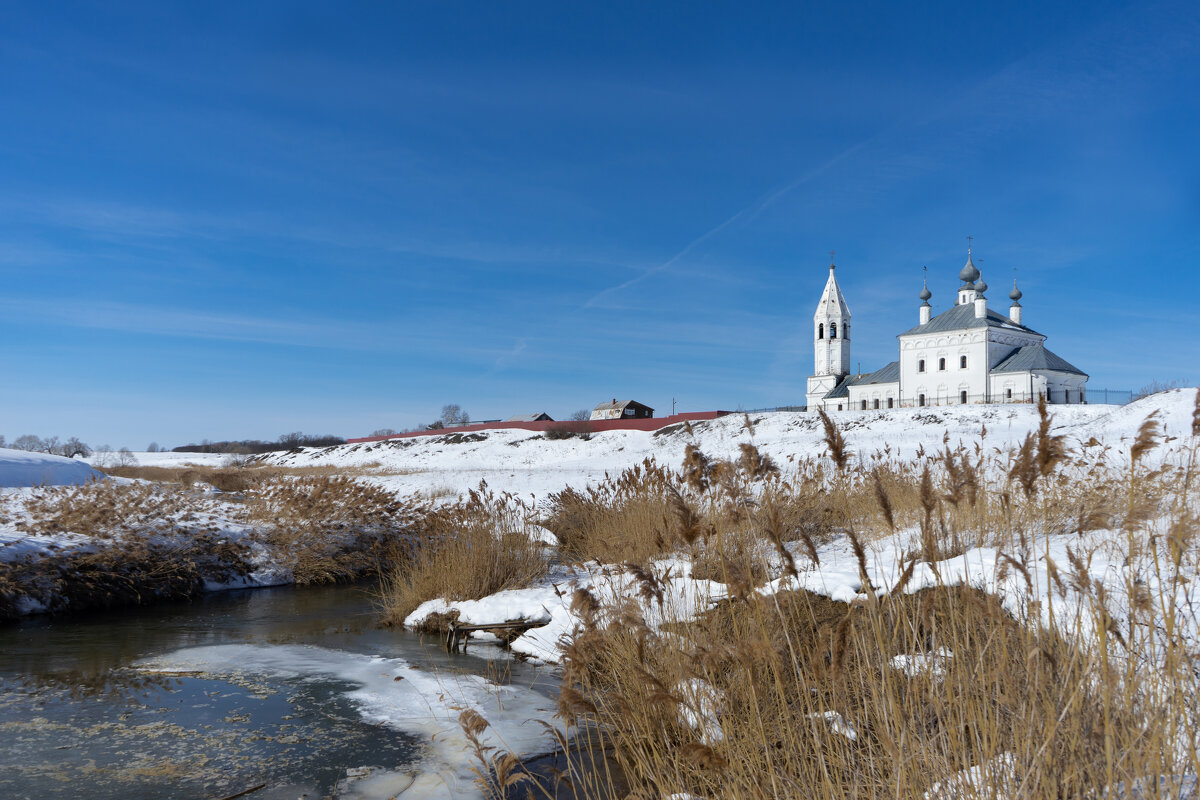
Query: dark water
[(78, 718)]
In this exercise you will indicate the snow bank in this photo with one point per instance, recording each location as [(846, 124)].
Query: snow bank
[(19, 468)]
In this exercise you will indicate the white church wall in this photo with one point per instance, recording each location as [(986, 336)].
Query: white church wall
[(1066, 387), (1011, 387), (1024, 387), (873, 396), (944, 377)]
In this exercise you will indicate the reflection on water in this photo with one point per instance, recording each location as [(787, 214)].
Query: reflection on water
[(76, 713)]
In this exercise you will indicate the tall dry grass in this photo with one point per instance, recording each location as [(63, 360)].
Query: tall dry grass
[(138, 542), (324, 529), (243, 476), (1077, 685), (144, 543), (465, 552)]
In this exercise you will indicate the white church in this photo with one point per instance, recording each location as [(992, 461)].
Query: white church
[(966, 354)]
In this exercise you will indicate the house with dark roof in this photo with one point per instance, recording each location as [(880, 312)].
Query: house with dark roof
[(622, 409), (969, 353)]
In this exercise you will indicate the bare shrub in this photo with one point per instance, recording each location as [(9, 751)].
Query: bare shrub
[(566, 431)]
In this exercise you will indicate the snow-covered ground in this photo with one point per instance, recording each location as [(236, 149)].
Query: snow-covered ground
[(525, 463), (19, 468), (164, 459)]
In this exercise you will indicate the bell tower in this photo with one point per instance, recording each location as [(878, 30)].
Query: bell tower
[(831, 340)]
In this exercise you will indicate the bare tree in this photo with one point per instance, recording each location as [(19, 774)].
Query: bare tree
[(384, 432), (125, 458), (153, 447), (237, 459), (28, 442), (292, 440), (73, 447), (582, 415), (1, 440), (102, 456), (453, 413)]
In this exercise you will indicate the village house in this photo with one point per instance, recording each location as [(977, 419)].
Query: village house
[(623, 409)]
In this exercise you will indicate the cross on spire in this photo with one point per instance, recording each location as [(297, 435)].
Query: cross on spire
[(832, 253), (969, 240)]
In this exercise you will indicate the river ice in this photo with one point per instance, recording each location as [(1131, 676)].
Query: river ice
[(392, 692)]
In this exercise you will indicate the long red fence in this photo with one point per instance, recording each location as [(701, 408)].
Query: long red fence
[(573, 426)]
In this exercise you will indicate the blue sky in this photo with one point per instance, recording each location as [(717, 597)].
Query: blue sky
[(229, 220)]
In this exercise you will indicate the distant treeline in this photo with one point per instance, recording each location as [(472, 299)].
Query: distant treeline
[(288, 441)]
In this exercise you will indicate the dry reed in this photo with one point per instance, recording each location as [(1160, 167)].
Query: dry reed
[(1084, 688)]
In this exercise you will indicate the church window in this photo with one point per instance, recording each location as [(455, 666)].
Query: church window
[(942, 364), (864, 405), (889, 402), (962, 362), (821, 331), (963, 396), (1008, 394), (839, 406), (846, 331), (921, 365), (833, 330), (921, 400), (876, 402)]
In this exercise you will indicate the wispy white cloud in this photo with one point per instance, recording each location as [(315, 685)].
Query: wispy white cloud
[(310, 332), (157, 227)]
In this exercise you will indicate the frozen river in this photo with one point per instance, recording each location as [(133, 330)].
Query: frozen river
[(298, 689)]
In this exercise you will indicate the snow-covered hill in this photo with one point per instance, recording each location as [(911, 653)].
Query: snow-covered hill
[(19, 468), (526, 463)]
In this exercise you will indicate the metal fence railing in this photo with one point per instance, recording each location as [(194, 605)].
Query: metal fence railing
[(1118, 397)]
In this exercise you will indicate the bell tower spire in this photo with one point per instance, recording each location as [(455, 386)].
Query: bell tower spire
[(831, 339), (831, 329)]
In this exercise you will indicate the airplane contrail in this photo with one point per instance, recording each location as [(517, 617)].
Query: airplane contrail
[(749, 212)]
